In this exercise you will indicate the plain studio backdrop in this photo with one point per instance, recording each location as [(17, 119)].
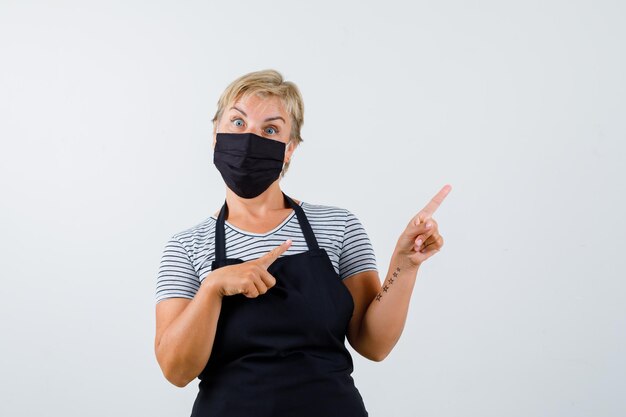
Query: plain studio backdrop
[(520, 106)]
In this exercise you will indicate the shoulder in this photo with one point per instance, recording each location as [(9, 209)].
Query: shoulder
[(195, 237), (327, 219), (324, 210), (337, 223), (331, 214), (179, 272), (344, 232)]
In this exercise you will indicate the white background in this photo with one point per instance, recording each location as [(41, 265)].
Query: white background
[(106, 152)]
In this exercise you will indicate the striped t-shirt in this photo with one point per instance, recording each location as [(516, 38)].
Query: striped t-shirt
[(187, 256)]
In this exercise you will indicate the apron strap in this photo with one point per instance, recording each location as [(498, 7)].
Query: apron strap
[(220, 239), (307, 231)]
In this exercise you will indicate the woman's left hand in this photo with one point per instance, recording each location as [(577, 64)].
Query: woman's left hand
[(421, 239)]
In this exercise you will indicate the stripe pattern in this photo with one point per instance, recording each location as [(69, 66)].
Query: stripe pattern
[(187, 255)]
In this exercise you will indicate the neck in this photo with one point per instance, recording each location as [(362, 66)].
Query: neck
[(268, 201)]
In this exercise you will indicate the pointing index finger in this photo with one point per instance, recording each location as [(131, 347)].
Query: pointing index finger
[(434, 203), (272, 255)]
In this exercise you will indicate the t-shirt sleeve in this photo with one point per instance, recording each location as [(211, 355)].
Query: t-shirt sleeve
[(357, 252), (177, 277)]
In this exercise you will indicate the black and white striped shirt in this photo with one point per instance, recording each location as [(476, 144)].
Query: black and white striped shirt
[(187, 256)]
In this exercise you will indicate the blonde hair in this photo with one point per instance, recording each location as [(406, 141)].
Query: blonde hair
[(265, 83)]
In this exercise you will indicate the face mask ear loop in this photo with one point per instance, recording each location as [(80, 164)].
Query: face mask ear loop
[(282, 171)]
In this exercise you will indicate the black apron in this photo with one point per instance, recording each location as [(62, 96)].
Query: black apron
[(282, 353)]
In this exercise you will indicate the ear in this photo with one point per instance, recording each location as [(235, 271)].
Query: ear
[(291, 147)]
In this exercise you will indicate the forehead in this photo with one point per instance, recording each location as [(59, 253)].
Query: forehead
[(254, 103)]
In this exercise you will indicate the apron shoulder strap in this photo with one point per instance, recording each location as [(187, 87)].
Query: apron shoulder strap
[(307, 231)]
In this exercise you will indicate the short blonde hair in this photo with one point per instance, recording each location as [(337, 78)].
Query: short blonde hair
[(264, 83)]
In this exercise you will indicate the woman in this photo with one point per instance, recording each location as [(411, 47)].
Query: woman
[(264, 328)]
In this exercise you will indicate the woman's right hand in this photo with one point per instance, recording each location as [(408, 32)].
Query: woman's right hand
[(249, 278), (186, 328)]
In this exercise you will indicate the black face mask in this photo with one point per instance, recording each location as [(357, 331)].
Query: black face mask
[(249, 163)]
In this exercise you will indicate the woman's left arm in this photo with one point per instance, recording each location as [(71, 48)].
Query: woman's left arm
[(380, 312)]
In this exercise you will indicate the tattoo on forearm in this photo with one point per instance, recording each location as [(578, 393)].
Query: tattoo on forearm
[(388, 283)]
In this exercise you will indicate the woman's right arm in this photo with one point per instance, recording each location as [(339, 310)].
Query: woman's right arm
[(185, 330)]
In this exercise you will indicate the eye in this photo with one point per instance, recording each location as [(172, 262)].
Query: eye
[(238, 122), (271, 131)]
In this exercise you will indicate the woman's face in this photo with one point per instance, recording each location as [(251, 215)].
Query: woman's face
[(265, 117)]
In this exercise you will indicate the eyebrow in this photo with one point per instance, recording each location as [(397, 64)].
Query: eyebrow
[(266, 120)]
